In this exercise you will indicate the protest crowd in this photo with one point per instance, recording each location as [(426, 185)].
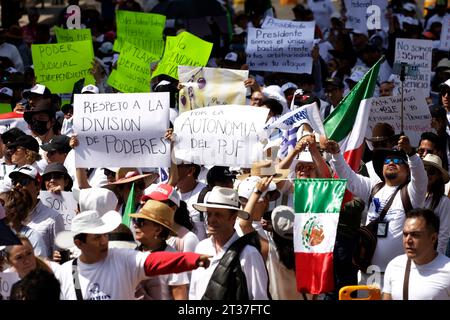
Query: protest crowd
[(172, 150)]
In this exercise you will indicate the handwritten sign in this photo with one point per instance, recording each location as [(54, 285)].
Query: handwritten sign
[(63, 202), (418, 53), (184, 49), (144, 30), (416, 115), (116, 130), (220, 135), (445, 34), (7, 279), (359, 15), (203, 87), (307, 27), (71, 35), (59, 66), (13, 120), (280, 50)]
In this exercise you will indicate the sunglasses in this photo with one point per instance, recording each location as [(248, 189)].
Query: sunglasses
[(431, 171), (22, 181), (394, 160), (139, 222), (54, 176)]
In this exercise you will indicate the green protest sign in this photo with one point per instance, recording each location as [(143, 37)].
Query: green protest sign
[(141, 29), (185, 49), (71, 35), (59, 66), (128, 83), (5, 107)]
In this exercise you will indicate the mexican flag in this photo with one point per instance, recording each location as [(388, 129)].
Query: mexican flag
[(347, 123), (317, 203)]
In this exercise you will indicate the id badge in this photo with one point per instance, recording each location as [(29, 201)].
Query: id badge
[(382, 229)]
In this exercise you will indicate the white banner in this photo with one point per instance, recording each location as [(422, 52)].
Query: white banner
[(7, 279), (279, 50), (122, 130), (306, 27), (444, 44), (63, 202), (416, 115), (220, 135), (366, 15), (417, 53)]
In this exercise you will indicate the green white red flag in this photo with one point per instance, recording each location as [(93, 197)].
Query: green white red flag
[(317, 203)]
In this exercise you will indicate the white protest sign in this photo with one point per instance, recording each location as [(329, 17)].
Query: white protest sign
[(220, 135), (366, 15), (63, 202), (13, 120), (444, 43), (307, 27), (416, 115), (306, 114), (417, 53), (279, 50), (122, 130), (7, 279)]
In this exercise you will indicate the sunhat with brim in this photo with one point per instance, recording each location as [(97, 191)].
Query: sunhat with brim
[(89, 222), (435, 161), (283, 221), (247, 186), (265, 168), (57, 167), (222, 198), (127, 175), (157, 212), (380, 154), (381, 132), (98, 199)]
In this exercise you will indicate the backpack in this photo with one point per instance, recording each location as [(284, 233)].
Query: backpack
[(367, 235)]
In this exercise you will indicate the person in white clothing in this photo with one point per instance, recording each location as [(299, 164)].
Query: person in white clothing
[(10, 51), (398, 168), (424, 271), (104, 273), (222, 278)]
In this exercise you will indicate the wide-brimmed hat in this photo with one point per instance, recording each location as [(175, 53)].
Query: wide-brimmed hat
[(247, 186), (380, 154), (127, 175), (89, 222), (41, 106), (265, 168), (158, 212), (381, 132), (26, 141), (222, 198), (283, 221), (435, 161), (101, 200), (58, 167)]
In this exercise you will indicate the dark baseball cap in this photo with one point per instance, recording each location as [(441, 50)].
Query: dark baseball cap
[(334, 81), (59, 143), (25, 141), (11, 135)]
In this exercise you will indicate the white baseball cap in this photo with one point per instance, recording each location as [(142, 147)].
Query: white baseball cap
[(90, 89)]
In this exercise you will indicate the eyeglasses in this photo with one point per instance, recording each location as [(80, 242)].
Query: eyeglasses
[(431, 171), (23, 181), (139, 222), (53, 175), (394, 160), (421, 151)]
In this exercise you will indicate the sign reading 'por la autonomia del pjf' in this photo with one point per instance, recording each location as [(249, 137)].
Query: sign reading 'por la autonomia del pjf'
[(116, 130), (220, 135)]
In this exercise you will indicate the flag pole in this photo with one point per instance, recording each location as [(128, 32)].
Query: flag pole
[(402, 79)]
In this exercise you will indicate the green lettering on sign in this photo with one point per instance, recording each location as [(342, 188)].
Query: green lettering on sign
[(71, 35)]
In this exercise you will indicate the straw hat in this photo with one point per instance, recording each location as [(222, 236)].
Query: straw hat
[(127, 175), (435, 161), (158, 212), (265, 168)]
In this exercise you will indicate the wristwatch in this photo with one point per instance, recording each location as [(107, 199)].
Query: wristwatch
[(257, 191)]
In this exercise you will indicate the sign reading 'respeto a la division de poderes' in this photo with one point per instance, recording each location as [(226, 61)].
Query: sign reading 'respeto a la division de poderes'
[(119, 130), (220, 135)]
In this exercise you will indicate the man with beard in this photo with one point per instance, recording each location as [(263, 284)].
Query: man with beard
[(397, 168)]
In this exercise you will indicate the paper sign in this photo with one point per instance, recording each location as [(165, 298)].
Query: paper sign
[(418, 53), (133, 70), (445, 34), (144, 30), (307, 27), (361, 16), (119, 130), (13, 120), (59, 66), (184, 49), (220, 135), (203, 87), (416, 115), (279, 50), (63, 202), (71, 35), (7, 279)]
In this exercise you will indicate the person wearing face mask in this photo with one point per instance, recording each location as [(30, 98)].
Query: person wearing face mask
[(41, 120)]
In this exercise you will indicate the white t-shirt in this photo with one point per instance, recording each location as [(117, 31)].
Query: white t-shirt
[(443, 212), (185, 242), (430, 281), (198, 218), (114, 278), (252, 265), (158, 287)]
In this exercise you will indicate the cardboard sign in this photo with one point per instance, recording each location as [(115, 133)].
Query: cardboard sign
[(13, 120), (279, 50), (7, 279), (418, 53), (59, 66), (361, 17), (71, 35), (220, 135), (119, 130), (444, 44), (184, 49), (133, 70), (203, 87), (144, 30), (416, 115), (63, 202)]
